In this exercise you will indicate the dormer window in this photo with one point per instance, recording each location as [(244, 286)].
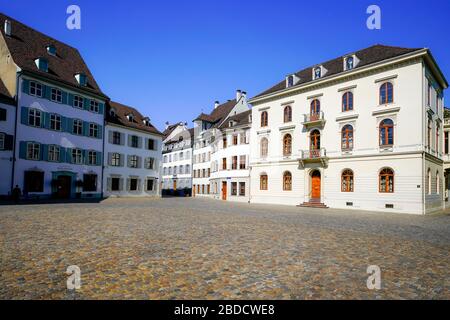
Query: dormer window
[(230, 124), (350, 62), (51, 50), (112, 113), (42, 64), (130, 118), (146, 122), (317, 72), (292, 80), (81, 79)]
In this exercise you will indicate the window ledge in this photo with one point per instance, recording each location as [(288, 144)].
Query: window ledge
[(384, 110), (349, 116)]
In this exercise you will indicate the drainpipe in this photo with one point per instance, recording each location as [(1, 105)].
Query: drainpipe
[(103, 152)]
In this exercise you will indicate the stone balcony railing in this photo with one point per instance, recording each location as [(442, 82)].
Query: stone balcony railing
[(313, 118)]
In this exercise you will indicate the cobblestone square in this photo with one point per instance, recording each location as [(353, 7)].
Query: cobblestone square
[(183, 248)]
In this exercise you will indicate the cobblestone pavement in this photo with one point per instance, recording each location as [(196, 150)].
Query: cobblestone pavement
[(196, 249)]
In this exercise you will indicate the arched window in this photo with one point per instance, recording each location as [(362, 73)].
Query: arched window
[(288, 114), (315, 140), (428, 181), (287, 145), (263, 181), (386, 132), (347, 181), (386, 184), (438, 181), (264, 147), (287, 181), (347, 137), (347, 101), (437, 144), (386, 93), (430, 130), (315, 107), (264, 119)]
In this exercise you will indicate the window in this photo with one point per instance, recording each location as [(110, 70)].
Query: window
[(436, 143), (93, 130), (428, 191), (224, 164), (242, 163), (287, 114), (134, 141), (42, 64), (133, 184), (53, 153), (34, 181), (287, 145), (81, 79), (35, 89), (94, 106), (347, 181), (347, 101), (134, 162), (77, 127), (151, 144), (315, 107), (33, 151), (115, 159), (264, 147), (34, 118), (235, 140), (224, 142), (150, 184), (386, 180), (290, 81), (429, 135), (2, 141), (429, 94), (89, 182), (92, 158), (151, 163), (438, 181), (287, 181), (3, 114), (386, 93), (264, 119), (263, 182), (115, 184), (242, 188), (349, 63), (78, 102), (234, 188), (51, 50), (315, 140), (116, 138), (56, 95), (77, 156), (243, 138), (446, 142), (234, 163), (55, 122), (317, 72), (386, 132), (347, 137)]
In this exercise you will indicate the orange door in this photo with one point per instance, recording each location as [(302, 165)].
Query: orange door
[(175, 185), (315, 183), (224, 191)]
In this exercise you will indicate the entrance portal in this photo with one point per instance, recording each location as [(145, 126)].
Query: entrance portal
[(315, 185)]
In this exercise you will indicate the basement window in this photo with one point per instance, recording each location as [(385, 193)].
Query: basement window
[(389, 206), (349, 204)]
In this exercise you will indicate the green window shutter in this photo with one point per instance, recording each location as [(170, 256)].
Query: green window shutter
[(100, 132), (47, 92), (24, 116), (62, 154), (99, 159), (86, 103), (64, 97), (101, 108), (86, 129), (68, 155), (26, 86), (45, 123), (84, 154), (22, 150), (70, 99), (44, 152), (64, 124)]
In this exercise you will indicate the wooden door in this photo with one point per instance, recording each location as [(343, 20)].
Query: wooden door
[(174, 184), (224, 191), (64, 183), (315, 185)]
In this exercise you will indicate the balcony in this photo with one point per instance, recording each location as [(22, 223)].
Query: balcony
[(311, 119), (313, 156)]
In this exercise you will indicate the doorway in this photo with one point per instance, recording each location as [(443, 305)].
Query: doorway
[(224, 190), (316, 182), (64, 187)]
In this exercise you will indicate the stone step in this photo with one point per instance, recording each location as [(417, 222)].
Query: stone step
[(313, 205)]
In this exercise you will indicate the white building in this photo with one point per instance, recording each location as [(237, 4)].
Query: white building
[(133, 147), (60, 116), (361, 131), (7, 126), (207, 132), (446, 151), (177, 160)]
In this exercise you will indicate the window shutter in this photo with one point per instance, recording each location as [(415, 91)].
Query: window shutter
[(128, 184), (45, 123), (9, 141), (101, 108), (26, 86), (86, 103), (129, 140), (47, 92), (64, 97), (139, 162), (62, 154), (110, 136), (69, 155), (110, 158), (99, 158), (65, 124), (139, 142), (109, 184), (2, 114), (122, 139), (122, 160), (70, 99), (44, 152), (85, 157), (24, 116), (85, 128), (146, 163), (120, 184), (23, 150), (128, 161), (100, 132), (139, 186)]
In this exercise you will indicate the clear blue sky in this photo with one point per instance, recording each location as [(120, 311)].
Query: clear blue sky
[(173, 59)]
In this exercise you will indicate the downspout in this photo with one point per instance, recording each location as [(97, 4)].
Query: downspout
[(423, 140), (103, 152)]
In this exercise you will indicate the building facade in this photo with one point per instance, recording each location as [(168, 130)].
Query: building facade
[(7, 128), (132, 166), (208, 133), (60, 115), (177, 160), (361, 131)]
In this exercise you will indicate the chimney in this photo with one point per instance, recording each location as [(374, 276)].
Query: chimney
[(216, 104), (167, 125), (8, 27), (244, 95), (238, 95)]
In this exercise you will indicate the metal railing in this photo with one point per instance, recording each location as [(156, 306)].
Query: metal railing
[(313, 117), (313, 154)]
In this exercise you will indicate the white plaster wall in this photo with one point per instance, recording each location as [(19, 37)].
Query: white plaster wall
[(6, 156)]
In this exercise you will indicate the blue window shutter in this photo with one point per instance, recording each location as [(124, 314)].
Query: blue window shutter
[(86, 128), (70, 99), (26, 86), (44, 152), (23, 150), (99, 159), (64, 97), (64, 124), (24, 116), (62, 154), (47, 92), (100, 132), (84, 154), (86, 103), (101, 108), (68, 155), (45, 123)]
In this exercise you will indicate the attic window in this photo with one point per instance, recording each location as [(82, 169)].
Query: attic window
[(317, 73), (81, 79), (230, 124), (112, 113), (130, 118), (350, 62), (146, 122), (42, 64), (51, 50)]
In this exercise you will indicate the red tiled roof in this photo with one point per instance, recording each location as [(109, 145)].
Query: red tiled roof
[(219, 113)]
